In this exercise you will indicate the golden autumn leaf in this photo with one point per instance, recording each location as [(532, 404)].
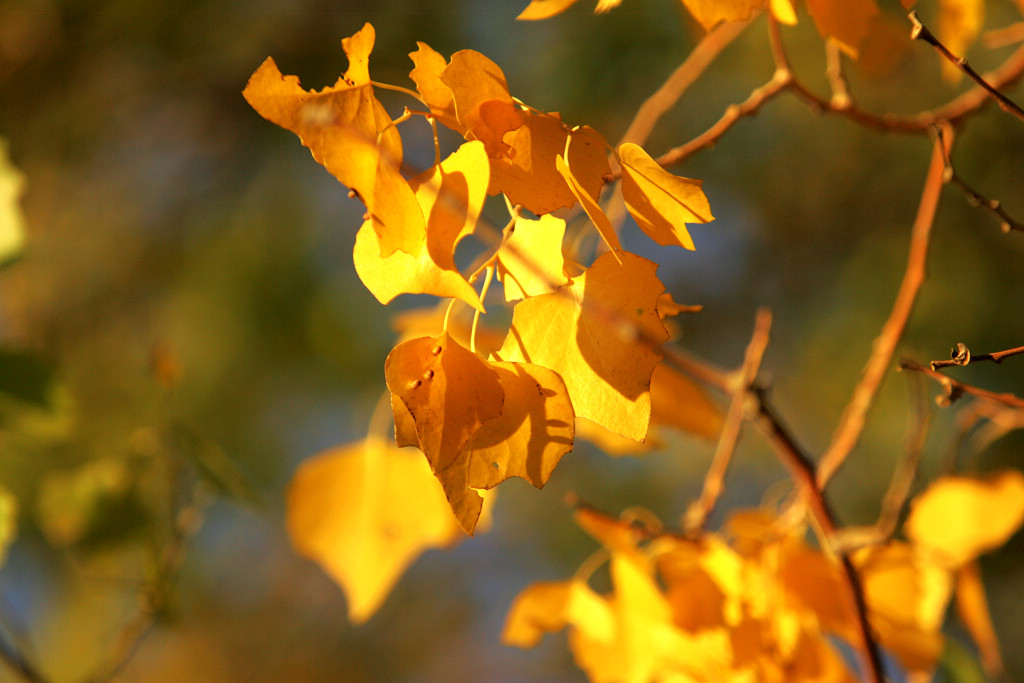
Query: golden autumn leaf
[(341, 126), (846, 21), (436, 95), (660, 202), (710, 13), (8, 521), (528, 176), (482, 101), (530, 261), (600, 334), (550, 606), (448, 390), (590, 206), (451, 196), (972, 608), (535, 429), (544, 9), (364, 512), (678, 402), (958, 518), (960, 22)]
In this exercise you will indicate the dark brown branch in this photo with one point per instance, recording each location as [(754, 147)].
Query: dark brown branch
[(921, 32), (961, 355), (955, 389), (854, 416), (975, 198)]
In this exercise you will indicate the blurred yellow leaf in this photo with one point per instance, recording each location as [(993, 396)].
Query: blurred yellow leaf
[(438, 96), (530, 261), (364, 512), (528, 176), (846, 21), (972, 608), (544, 9), (709, 13), (661, 203), (601, 334), (483, 104), (12, 221), (960, 22), (8, 522), (958, 518), (551, 606), (678, 402), (348, 131)]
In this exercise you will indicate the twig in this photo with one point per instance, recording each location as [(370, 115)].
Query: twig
[(921, 32), (685, 74), (961, 355), (803, 471), (836, 78), (975, 198), (743, 379), (851, 423), (955, 389)]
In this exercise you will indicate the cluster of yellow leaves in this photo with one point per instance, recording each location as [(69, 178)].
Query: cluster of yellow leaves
[(757, 602), (581, 347)]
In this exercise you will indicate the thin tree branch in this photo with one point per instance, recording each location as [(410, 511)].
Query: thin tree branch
[(743, 379), (961, 355), (921, 32), (682, 78), (975, 198), (803, 471), (955, 389), (851, 423)]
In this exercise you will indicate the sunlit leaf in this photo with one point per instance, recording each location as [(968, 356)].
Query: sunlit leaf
[(601, 334), (710, 13), (590, 205), (530, 261), (972, 608), (12, 220), (364, 512), (438, 96), (482, 101), (8, 522), (544, 9), (529, 176), (551, 606), (678, 402), (661, 203), (958, 518), (847, 22)]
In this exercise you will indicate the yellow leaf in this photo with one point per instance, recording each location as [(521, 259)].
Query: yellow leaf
[(710, 13), (544, 9), (451, 195), (528, 176), (364, 512), (661, 203), (482, 101), (959, 518), (590, 205), (8, 522), (907, 599), (783, 10), (960, 22), (448, 390), (551, 606), (12, 220), (845, 21), (535, 429), (530, 261), (972, 608), (350, 133), (438, 96), (601, 334), (677, 401)]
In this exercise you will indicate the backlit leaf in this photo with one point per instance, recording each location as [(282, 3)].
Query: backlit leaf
[(364, 512), (845, 21), (958, 518), (544, 9), (590, 205), (438, 96), (448, 390), (482, 101), (960, 22), (661, 203), (551, 606), (530, 261), (529, 176), (710, 13), (12, 220), (678, 402), (8, 522), (599, 333)]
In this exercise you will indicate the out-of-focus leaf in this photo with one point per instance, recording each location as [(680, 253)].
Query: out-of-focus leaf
[(846, 21), (8, 522), (710, 13), (960, 22), (12, 221)]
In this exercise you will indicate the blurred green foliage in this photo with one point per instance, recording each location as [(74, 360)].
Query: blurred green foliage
[(184, 325)]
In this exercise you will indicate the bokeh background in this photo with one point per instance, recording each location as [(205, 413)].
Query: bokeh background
[(184, 326)]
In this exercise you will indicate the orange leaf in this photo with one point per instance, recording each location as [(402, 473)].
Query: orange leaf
[(482, 101), (845, 21), (544, 9), (364, 512), (529, 176), (599, 333), (677, 401), (590, 205), (438, 96), (661, 203), (959, 518), (530, 261), (710, 13), (448, 390), (972, 607), (551, 606)]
